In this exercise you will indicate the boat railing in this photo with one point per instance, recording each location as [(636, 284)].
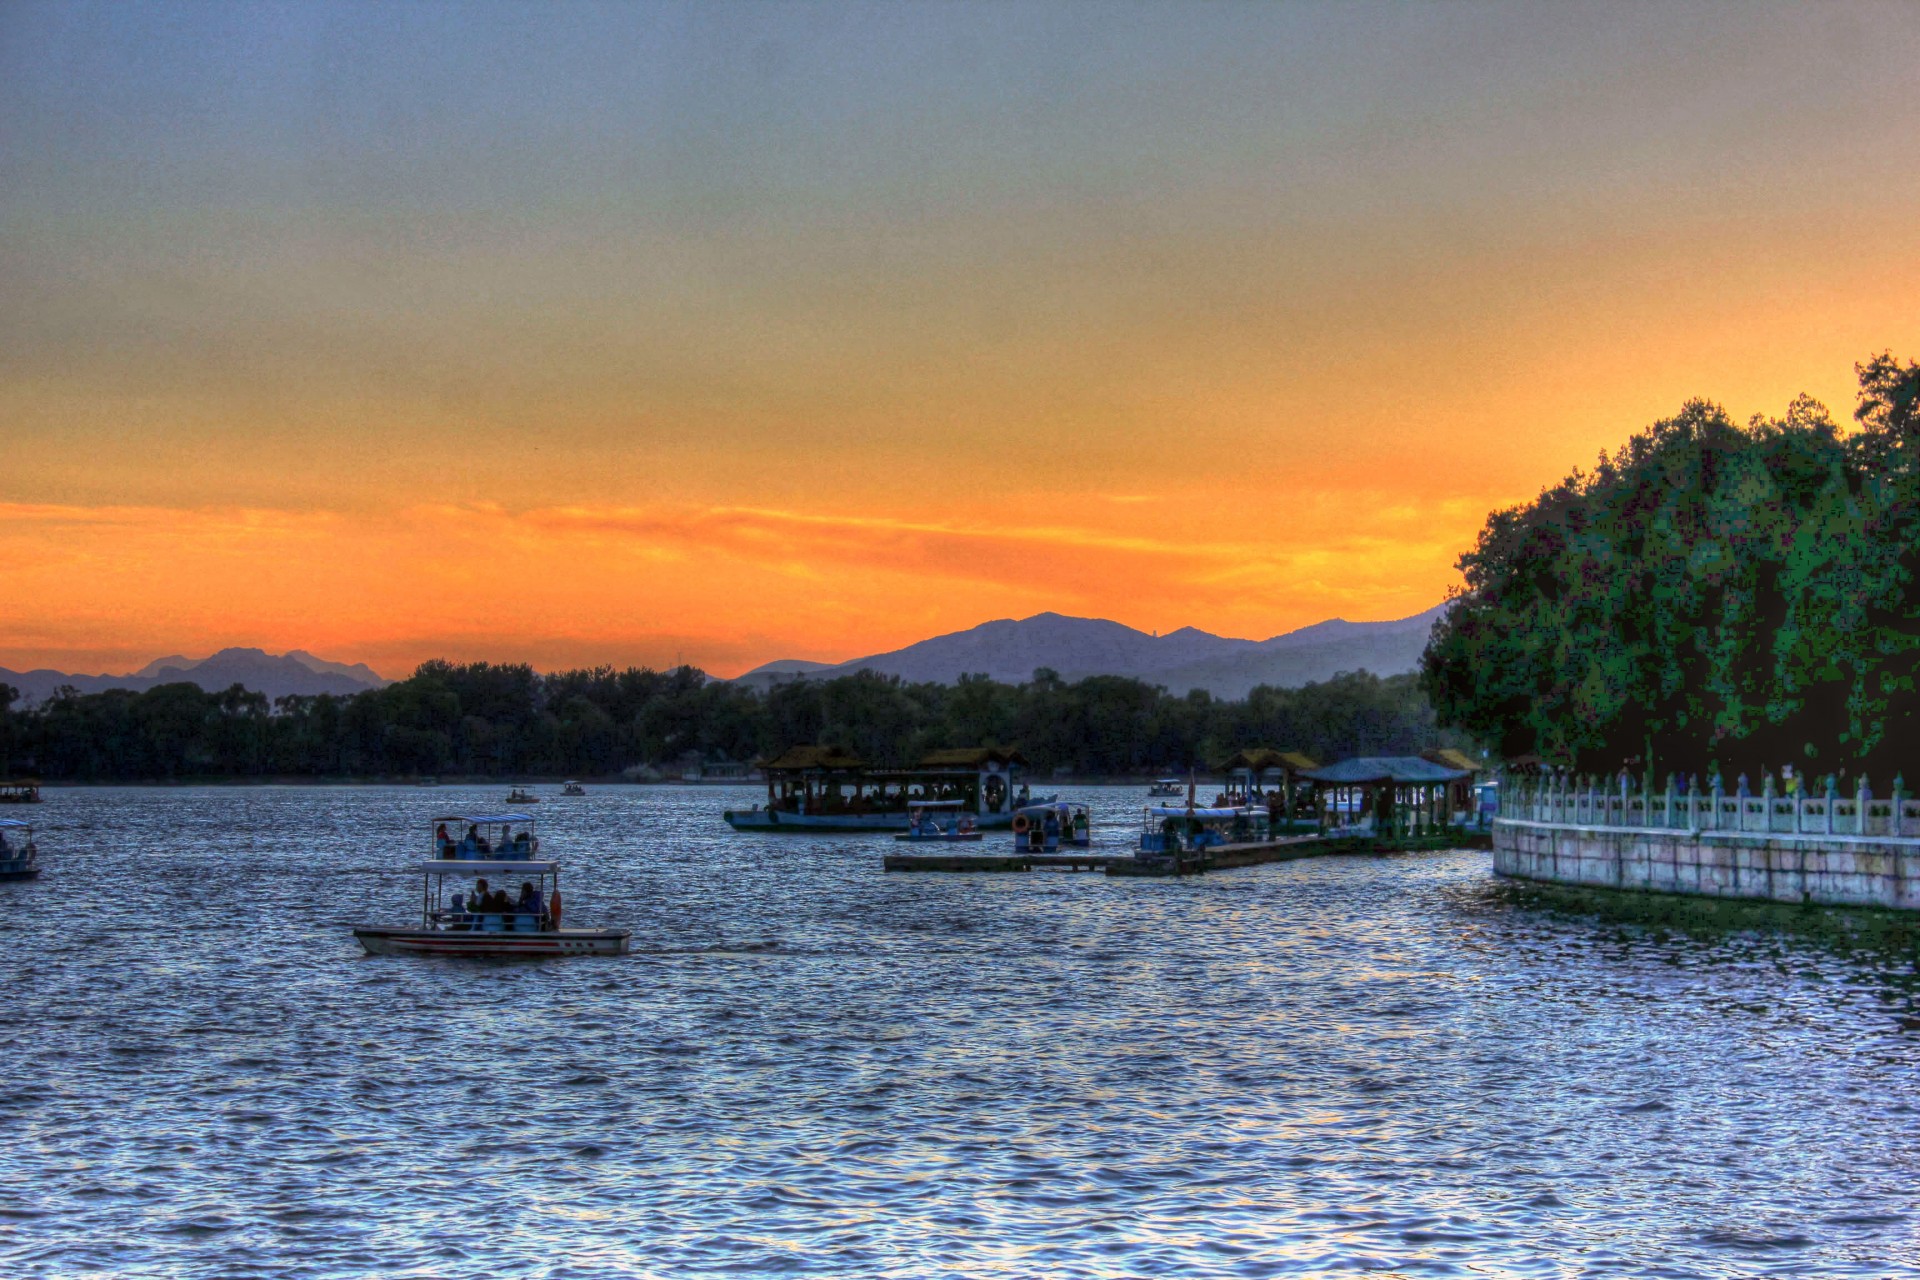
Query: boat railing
[(490, 921)]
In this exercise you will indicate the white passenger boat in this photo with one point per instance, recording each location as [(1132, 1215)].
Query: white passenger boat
[(1168, 787), (19, 859), (480, 915), (573, 789), (941, 822)]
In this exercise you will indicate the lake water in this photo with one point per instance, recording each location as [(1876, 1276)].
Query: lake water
[(1394, 1066)]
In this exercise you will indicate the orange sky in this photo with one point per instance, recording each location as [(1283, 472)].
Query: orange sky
[(727, 334)]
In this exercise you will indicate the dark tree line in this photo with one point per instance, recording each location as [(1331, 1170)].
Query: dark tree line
[(1710, 596), (503, 720)]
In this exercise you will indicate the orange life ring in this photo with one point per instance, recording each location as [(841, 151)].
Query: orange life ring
[(1020, 824), (554, 908)]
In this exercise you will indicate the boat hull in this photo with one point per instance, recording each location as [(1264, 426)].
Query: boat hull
[(955, 837), (16, 872), (439, 942), (844, 823)]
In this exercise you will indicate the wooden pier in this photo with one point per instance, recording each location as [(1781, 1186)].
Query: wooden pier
[(1220, 857)]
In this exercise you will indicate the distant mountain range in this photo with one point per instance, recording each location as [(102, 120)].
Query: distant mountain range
[(1181, 660), (298, 672)]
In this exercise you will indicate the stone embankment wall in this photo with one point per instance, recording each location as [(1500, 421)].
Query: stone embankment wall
[(1834, 870)]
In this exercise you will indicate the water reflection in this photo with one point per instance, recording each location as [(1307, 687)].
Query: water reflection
[(812, 1067)]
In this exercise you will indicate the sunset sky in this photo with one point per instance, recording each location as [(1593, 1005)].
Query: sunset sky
[(640, 334)]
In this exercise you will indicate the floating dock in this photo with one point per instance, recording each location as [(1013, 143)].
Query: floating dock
[(1220, 857)]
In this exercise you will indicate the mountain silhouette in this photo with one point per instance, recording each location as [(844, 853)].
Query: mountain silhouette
[(1012, 650), (298, 672)]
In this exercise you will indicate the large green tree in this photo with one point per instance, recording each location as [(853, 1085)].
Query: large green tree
[(1711, 595)]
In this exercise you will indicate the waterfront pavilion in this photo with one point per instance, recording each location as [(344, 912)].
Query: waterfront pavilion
[(1260, 764), (1405, 796), (1461, 799)]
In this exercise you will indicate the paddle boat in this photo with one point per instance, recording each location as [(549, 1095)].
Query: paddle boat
[(1046, 827), (19, 860), (573, 789), (474, 919), (941, 820), (520, 795), (19, 792)]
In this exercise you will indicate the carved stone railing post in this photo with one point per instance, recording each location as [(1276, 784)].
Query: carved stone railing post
[(1899, 825), (1766, 797), (1668, 818), (1715, 791), (1862, 801), (1833, 793)]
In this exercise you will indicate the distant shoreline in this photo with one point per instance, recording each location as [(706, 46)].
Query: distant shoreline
[(1203, 781)]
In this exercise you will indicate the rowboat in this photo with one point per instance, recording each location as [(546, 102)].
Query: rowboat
[(478, 920)]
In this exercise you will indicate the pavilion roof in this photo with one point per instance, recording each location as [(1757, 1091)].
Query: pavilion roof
[(970, 757), (814, 757), (1378, 769), (1261, 759), (1452, 758)]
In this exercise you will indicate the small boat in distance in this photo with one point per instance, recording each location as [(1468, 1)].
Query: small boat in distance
[(19, 859), (20, 792), (1168, 787), (486, 921), (573, 789), (520, 795), (944, 821)]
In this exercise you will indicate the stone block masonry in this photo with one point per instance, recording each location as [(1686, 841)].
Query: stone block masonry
[(1831, 870)]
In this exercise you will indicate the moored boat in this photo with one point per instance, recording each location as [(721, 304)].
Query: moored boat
[(1044, 828), (942, 822), (20, 792), (481, 920), (19, 858), (825, 789)]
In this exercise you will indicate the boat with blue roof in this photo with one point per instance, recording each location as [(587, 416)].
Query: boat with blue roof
[(19, 858), (941, 822), (477, 914)]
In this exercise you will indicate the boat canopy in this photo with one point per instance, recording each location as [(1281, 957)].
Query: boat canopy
[(484, 819), (1168, 782), (477, 867), (1181, 811), (1055, 806), (11, 823)]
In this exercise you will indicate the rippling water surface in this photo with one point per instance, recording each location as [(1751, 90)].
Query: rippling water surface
[(1386, 1065)]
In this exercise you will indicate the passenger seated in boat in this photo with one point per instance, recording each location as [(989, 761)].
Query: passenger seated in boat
[(529, 904), (442, 842), (6, 851), (523, 845), (966, 824)]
